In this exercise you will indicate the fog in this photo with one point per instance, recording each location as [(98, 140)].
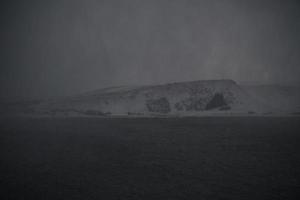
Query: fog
[(56, 48)]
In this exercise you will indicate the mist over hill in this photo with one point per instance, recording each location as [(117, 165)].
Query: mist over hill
[(204, 97)]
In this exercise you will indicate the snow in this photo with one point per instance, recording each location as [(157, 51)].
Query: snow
[(192, 96)]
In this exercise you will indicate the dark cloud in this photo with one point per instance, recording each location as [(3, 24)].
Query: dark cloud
[(52, 48)]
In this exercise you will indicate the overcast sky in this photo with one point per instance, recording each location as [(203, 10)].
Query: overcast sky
[(53, 48)]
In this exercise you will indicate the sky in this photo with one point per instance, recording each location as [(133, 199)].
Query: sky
[(65, 47)]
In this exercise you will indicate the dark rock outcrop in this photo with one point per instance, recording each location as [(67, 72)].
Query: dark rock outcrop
[(217, 101)]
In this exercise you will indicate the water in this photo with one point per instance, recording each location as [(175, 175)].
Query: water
[(154, 158)]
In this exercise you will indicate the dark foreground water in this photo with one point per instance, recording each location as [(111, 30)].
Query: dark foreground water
[(188, 158)]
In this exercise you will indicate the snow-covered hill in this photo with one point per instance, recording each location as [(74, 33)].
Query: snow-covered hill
[(185, 98), (177, 99)]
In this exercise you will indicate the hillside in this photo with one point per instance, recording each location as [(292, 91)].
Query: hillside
[(183, 98), (195, 98)]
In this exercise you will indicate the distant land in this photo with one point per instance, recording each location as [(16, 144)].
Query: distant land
[(194, 98)]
